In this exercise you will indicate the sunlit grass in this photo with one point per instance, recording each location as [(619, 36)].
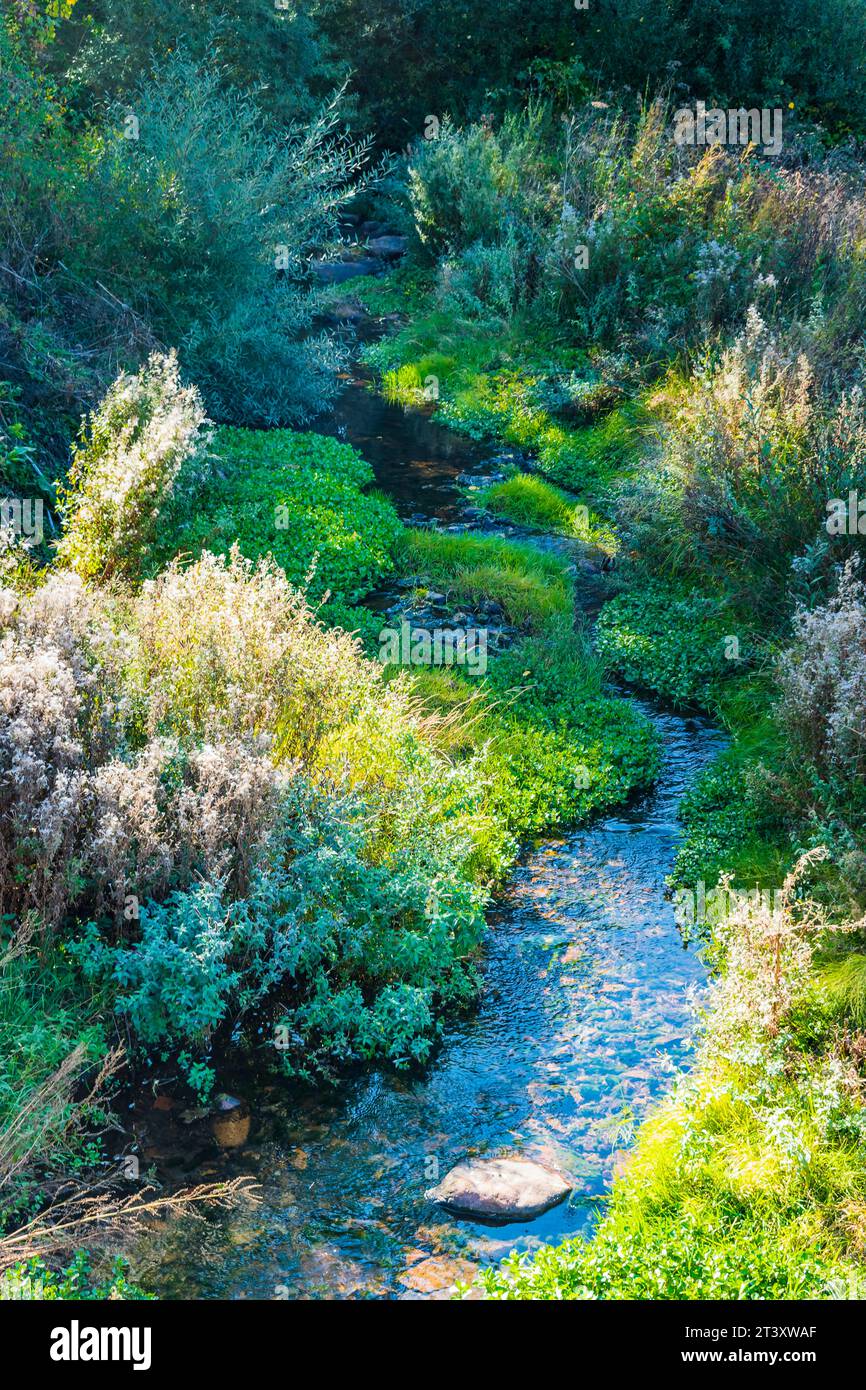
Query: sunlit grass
[(530, 586), (528, 500), (845, 982)]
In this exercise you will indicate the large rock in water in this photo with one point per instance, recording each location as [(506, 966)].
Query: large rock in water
[(388, 246), (336, 272), (500, 1189)]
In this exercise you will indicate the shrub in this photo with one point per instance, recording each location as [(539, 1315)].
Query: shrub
[(114, 247), (632, 240), (652, 242), (62, 713), (346, 952), (105, 49), (478, 198), (823, 683), (486, 283), (578, 398), (146, 799), (146, 431), (175, 813), (228, 648), (822, 680), (752, 456), (86, 818), (228, 651), (470, 186), (220, 216)]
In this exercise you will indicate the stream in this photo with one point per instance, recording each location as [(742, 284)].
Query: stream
[(586, 1014)]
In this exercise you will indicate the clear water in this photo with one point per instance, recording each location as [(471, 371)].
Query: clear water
[(415, 462), (586, 1014)]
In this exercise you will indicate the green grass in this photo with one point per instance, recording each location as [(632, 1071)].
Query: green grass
[(528, 500), (730, 827), (382, 295), (678, 1257), (845, 983), (416, 383), (488, 388), (555, 749), (433, 331), (531, 586), (586, 749), (45, 1017), (729, 818), (586, 460)]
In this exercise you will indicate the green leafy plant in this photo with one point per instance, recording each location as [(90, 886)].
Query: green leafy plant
[(673, 643), (305, 499), (35, 1280)]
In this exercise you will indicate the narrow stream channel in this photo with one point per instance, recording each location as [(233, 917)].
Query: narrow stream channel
[(586, 1013)]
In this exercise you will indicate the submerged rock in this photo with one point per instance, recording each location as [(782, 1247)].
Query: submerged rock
[(231, 1123), (437, 1275), (500, 1189)]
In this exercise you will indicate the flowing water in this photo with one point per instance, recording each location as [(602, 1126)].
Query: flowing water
[(586, 1014)]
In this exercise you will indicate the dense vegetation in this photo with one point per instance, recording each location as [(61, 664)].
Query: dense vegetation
[(690, 400), (228, 825)]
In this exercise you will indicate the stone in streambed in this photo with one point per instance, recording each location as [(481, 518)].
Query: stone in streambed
[(435, 1276), (387, 246), (230, 1124), (500, 1189), (336, 272)]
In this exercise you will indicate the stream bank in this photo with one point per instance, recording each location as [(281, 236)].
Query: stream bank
[(586, 1013)]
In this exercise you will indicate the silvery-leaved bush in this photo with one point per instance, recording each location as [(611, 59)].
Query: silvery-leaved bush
[(823, 681), (147, 429)]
